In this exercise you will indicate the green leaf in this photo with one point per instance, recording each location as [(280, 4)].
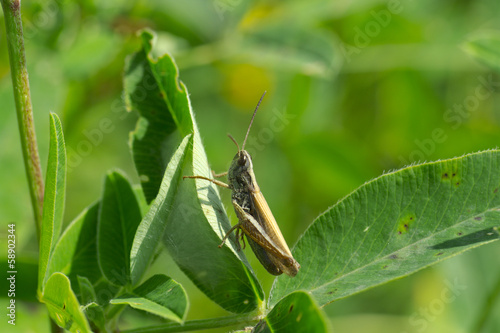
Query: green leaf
[(152, 227), (198, 221), (141, 199), (119, 217), (296, 312), (157, 133), (76, 251), (62, 304), (159, 295), (397, 224), (485, 47), (53, 203), (94, 311)]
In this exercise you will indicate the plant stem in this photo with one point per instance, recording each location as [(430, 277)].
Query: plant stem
[(194, 325), (22, 97)]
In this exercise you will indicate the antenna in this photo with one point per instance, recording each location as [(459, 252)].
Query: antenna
[(236, 143), (251, 121)]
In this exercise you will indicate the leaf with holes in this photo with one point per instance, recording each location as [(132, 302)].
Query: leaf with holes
[(397, 224)]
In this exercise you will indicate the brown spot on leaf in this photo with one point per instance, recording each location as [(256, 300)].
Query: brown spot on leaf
[(478, 218)]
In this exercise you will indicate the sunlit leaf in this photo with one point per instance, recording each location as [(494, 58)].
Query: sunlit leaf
[(397, 224), (53, 203)]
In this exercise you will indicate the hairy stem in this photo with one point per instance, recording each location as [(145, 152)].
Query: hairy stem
[(22, 97)]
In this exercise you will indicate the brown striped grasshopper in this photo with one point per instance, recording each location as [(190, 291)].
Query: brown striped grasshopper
[(256, 220)]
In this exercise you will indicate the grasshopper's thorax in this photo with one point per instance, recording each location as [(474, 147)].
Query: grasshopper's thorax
[(242, 179)]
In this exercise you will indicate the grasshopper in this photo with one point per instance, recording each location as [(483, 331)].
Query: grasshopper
[(255, 219)]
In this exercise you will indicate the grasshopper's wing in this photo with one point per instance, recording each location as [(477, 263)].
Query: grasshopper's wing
[(264, 258), (267, 221)]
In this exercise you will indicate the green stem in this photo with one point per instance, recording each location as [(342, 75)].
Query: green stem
[(203, 324), (486, 311), (114, 310), (22, 97)]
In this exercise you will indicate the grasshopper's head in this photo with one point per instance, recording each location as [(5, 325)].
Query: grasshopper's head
[(241, 163)]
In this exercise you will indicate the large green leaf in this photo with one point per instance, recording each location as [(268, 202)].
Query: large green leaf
[(152, 226), (53, 202), (159, 295), (76, 251), (485, 47), (119, 217), (62, 304), (397, 224), (198, 220), (296, 312)]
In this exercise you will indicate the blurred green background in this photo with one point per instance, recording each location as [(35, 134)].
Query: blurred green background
[(355, 89)]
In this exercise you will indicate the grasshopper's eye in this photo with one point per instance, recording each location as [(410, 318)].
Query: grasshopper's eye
[(242, 160)]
